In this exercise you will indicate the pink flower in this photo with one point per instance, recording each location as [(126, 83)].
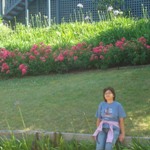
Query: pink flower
[(23, 57), (109, 46), (75, 58), (98, 49), (65, 53), (28, 53), (79, 46), (96, 57), (8, 71), (4, 53), (119, 44), (71, 53), (47, 51), (36, 52), (148, 46), (101, 57), (60, 57), (105, 50), (34, 47), (74, 48), (24, 71), (54, 55), (92, 57), (123, 39), (4, 67), (12, 54), (142, 40), (101, 43), (23, 68), (31, 57), (43, 59)]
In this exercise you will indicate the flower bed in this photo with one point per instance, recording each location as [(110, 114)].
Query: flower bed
[(41, 59)]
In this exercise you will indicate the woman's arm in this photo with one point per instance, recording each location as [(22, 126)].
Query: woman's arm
[(122, 129), (98, 122)]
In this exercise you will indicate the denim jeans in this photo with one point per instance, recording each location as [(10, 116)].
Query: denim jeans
[(101, 139)]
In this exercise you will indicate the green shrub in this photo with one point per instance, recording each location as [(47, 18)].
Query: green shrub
[(69, 34)]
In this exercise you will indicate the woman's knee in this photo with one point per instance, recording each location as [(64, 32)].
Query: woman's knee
[(109, 146), (101, 140)]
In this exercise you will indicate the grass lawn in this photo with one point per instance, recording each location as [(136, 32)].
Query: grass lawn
[(68, 102)]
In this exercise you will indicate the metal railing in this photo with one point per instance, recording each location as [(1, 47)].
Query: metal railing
[(7, 5)]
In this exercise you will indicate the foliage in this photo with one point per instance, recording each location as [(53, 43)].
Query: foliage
[(70, 34), (138, 144), (45, 143)]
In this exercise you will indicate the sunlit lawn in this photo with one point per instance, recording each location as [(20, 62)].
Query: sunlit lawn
[(68, 102)]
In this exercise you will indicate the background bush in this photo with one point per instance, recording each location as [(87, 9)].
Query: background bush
[(69, 34)]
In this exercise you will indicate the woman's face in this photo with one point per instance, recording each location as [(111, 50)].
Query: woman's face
[(108, 95)]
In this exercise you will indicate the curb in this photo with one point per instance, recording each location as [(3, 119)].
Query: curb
[(65, 136)]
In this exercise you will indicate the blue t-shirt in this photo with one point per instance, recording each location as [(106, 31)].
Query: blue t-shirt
[(110, 111)]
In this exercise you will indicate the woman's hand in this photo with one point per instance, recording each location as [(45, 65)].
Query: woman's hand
[(121, 137)]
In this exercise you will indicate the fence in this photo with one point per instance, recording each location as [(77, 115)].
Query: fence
[(67, 9)]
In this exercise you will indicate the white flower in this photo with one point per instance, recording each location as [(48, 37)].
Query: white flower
[(116, 12), (80, 5), (110, 8), (87, 18)]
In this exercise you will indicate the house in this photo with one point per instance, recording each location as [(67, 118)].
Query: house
[(55, 10)]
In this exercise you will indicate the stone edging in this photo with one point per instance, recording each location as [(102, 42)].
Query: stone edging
[(65, 136)]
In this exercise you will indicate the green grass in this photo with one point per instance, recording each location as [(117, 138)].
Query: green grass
[(68, 102)]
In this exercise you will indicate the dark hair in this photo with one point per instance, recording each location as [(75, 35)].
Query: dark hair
[(110, 89)]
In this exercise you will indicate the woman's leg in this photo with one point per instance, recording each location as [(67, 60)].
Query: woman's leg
[(101, 140), (109, 146)]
